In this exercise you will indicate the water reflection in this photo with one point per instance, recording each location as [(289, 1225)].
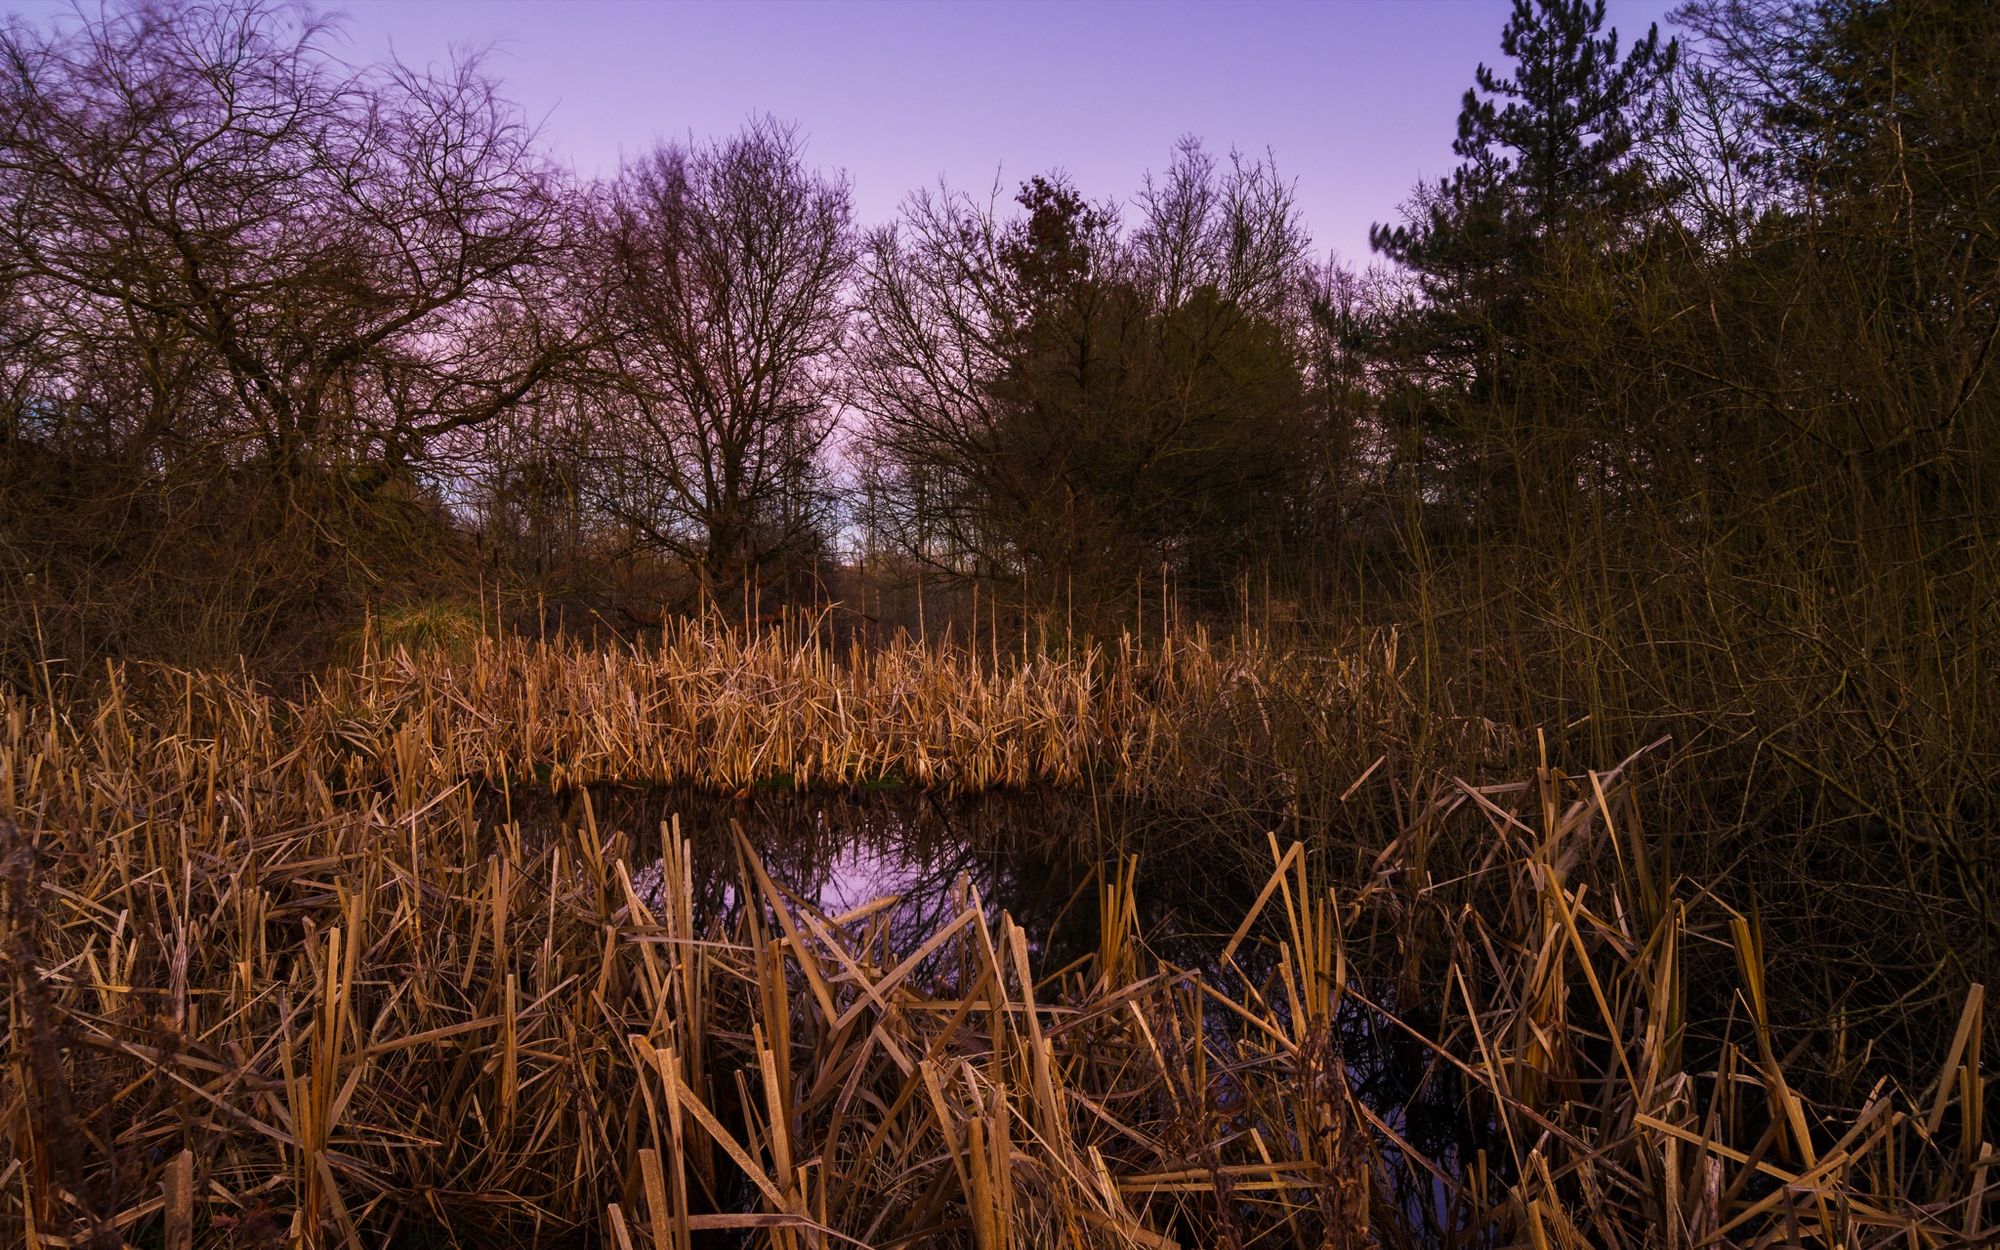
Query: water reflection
[(905, 864), (1032, 855)]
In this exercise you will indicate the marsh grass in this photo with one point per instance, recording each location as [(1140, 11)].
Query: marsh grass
[(276, 977)]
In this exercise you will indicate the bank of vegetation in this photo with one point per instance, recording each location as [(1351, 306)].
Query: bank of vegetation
[(358, 464), (315, 972)]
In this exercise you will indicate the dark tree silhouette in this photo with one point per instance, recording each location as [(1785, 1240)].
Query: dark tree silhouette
[(714, 392)]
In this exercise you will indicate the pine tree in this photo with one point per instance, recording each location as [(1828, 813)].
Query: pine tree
[(1545, 150), (1548, 173)]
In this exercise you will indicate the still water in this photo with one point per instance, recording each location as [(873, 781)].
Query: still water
[(916, 860)]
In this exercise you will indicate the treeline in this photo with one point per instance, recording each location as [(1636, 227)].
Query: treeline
[(1671, 411), (285, 339)]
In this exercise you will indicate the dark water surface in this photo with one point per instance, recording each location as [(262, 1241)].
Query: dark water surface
[(1040, 858), (1035, 855)]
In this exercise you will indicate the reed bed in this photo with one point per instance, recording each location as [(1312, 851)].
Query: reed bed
[(273, 980), (722, 708)]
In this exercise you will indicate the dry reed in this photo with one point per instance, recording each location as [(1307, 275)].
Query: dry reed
[(715, 707), (273, 981)]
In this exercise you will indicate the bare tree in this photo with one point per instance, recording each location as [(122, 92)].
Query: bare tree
[(262, 286), (1237, 232), (723, 268), (947, 300), (338, 247)]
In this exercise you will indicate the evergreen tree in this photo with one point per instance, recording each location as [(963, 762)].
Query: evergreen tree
[(1548, 169), (1544, 149)]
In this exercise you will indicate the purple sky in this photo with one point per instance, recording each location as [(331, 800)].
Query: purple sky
[(1357, 98)]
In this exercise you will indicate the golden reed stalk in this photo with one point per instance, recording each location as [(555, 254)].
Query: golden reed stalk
[(273, 980)]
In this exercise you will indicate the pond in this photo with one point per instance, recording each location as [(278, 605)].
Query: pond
[(914, 860)]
